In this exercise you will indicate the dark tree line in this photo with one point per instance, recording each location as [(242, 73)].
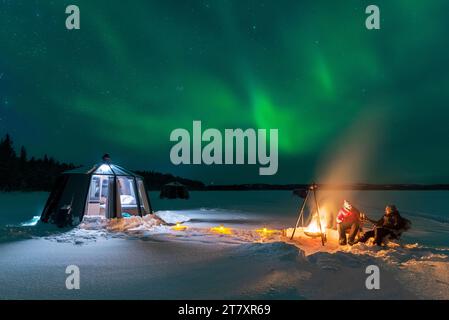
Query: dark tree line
[(20, 173)]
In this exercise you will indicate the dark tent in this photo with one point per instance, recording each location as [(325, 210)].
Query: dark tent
[(174, 190), (104, 190)]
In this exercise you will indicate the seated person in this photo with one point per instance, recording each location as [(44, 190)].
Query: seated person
[(348, 218), (390, 225)]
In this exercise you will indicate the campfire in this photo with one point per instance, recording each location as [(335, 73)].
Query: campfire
[(316, 227)]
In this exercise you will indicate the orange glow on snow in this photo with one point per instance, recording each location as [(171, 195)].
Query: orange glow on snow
[(179, 227), (221, 230), (266, 232)]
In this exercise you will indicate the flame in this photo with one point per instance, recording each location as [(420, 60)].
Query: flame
[(221, 230), (179, 227), (314, 226)]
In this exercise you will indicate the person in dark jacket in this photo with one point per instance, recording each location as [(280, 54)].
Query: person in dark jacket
[(348, 218), (390, 225)]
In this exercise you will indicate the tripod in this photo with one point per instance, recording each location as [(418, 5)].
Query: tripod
[(312, 189)]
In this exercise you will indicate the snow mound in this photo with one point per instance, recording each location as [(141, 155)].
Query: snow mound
[(121, 225), (396, 254), (147, 222), (78, 236), (418, 269), (93, 229), (172, 217), (32, 222)]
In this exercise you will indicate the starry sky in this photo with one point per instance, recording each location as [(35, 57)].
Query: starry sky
[(339, 94)]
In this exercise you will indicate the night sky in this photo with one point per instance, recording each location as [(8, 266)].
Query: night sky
[(139, 69)]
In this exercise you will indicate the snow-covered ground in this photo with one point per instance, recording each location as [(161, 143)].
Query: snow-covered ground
[(140, 258)]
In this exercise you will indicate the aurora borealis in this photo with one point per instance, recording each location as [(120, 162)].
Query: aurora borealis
[(139, 69)]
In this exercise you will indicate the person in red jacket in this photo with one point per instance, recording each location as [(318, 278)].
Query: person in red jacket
[(348, 218)]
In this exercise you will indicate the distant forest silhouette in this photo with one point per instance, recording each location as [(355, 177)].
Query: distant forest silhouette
[(20, 173)]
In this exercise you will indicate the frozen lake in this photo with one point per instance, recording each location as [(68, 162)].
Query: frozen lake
[(161, 264)]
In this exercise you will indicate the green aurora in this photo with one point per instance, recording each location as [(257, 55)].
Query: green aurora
[(139, 69)]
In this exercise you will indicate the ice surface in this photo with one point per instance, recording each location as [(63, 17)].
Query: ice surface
[(143, 258)]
